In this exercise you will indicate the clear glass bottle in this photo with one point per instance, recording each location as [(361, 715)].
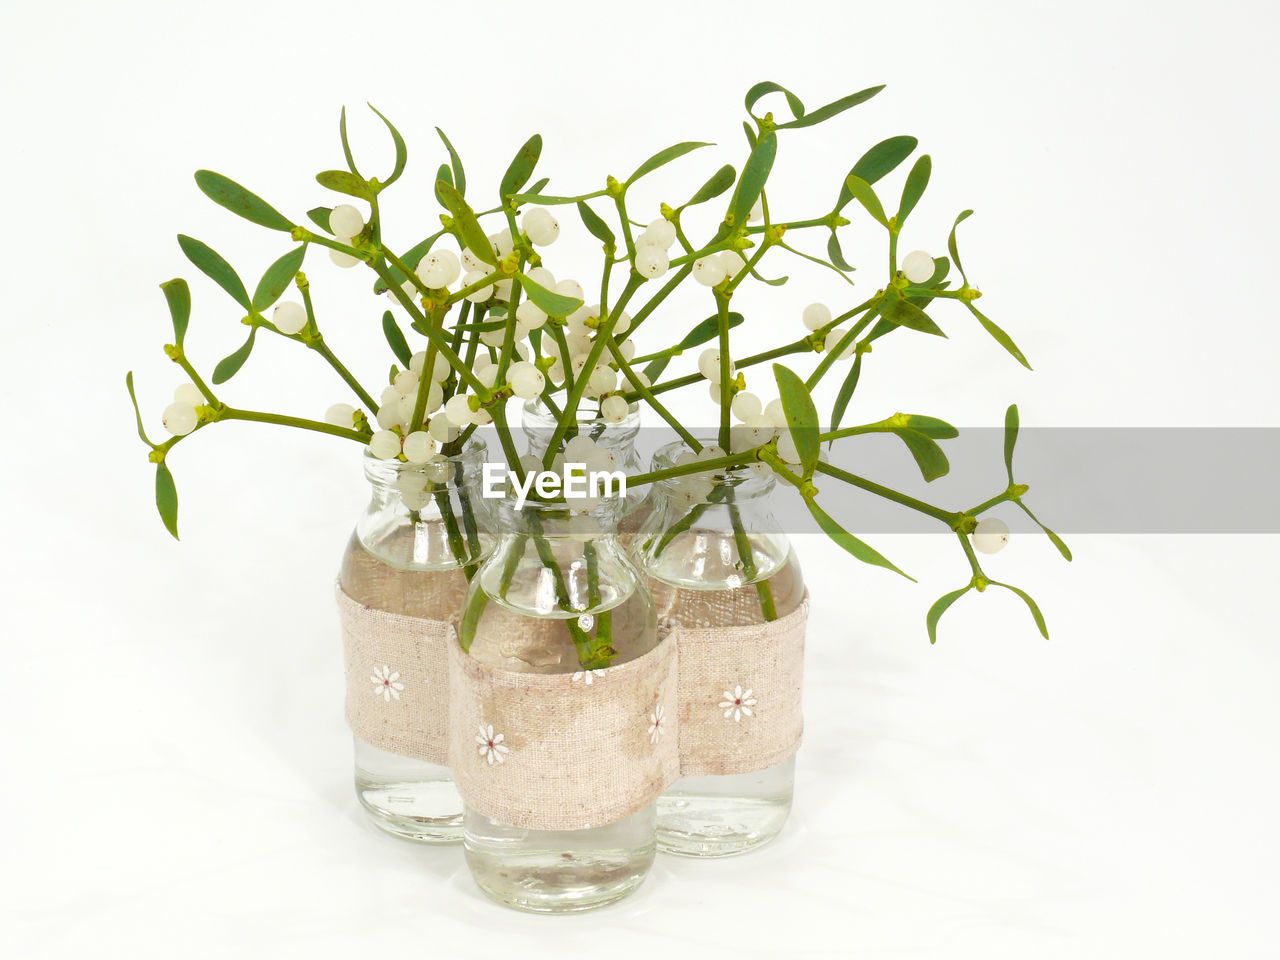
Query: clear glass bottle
[(407, 555), (619, 438), (533, 595), (709, 545)]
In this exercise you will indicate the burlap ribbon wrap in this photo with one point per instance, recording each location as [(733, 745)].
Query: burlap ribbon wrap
[(397, 680), (574, 751), (740, 694), (564, 751)]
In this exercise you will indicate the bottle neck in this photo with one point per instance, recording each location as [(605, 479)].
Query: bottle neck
[(422, 516)]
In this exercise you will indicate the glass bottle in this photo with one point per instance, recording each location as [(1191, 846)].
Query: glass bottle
[(618, 438), (550, 577), (709, 547), (407, 555)]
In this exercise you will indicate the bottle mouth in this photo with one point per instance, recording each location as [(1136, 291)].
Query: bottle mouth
[(562, 518), (749, 479), (455, 469), (538, 421)]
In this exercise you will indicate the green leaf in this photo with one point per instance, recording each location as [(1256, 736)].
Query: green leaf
[(998, 335), (846, 392), (548, 301), (596, 226), (399, 346), (443, 173), (939, 608), (346, 145), (1057, 540), (848, 542), (320, 217), (835, 254), (754, 175), (167, 498), (229, 365), (951, 244), (928, 455), (708, 329), (465, 219), (215, 268), (931, 426), (459, 176), (178, 296), (229, 194), (876, 162), (802, 417), (913, 189), (861, 191), (905, 314), (128, 382), (766, 87), (831, 109), (277, 279), (402, 154), (941, 267), (663, 157), (1031, 605), (340, 181), (521, 168), (1010, 437), (720, 181)]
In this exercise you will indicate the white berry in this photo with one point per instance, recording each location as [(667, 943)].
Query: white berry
[(787, 448), (776, 415), (917, 266), (470, 262), (732, 262), (345, 221), (816, 315), (651, 261), (757, 210), (389, 414), (406, 383), (526, 380), (708, 271), (542, 277), (571, 289), (343, 260), (709, 364), (458, 409), (530, 315), (340, 415), (180, 418), (745, 406), (188, 393), (442, 429), (540, 226), (579, 449), (419, 447), (289, 317), (990, 535), (502, 242), (660, 233), (614, 409), (384, 445), (439, 268)]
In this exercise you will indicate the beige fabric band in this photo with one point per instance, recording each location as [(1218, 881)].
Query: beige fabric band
[(564, 751), (397, 680), (740, 694), (573, 751)]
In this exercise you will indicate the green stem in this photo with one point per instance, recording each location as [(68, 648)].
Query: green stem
[(644, 391), (319, 346), (948, 517), (232, 413)]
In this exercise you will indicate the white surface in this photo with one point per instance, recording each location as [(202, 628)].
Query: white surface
[(178, 772)]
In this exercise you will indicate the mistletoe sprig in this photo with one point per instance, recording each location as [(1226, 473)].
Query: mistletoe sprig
[(493, 323)]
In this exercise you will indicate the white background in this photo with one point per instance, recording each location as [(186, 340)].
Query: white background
[(177, 770)]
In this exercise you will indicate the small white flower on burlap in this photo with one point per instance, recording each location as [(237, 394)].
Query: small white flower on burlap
[(656, 728), (492, 749), (386, 683), (737, 704), (588, 676)]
